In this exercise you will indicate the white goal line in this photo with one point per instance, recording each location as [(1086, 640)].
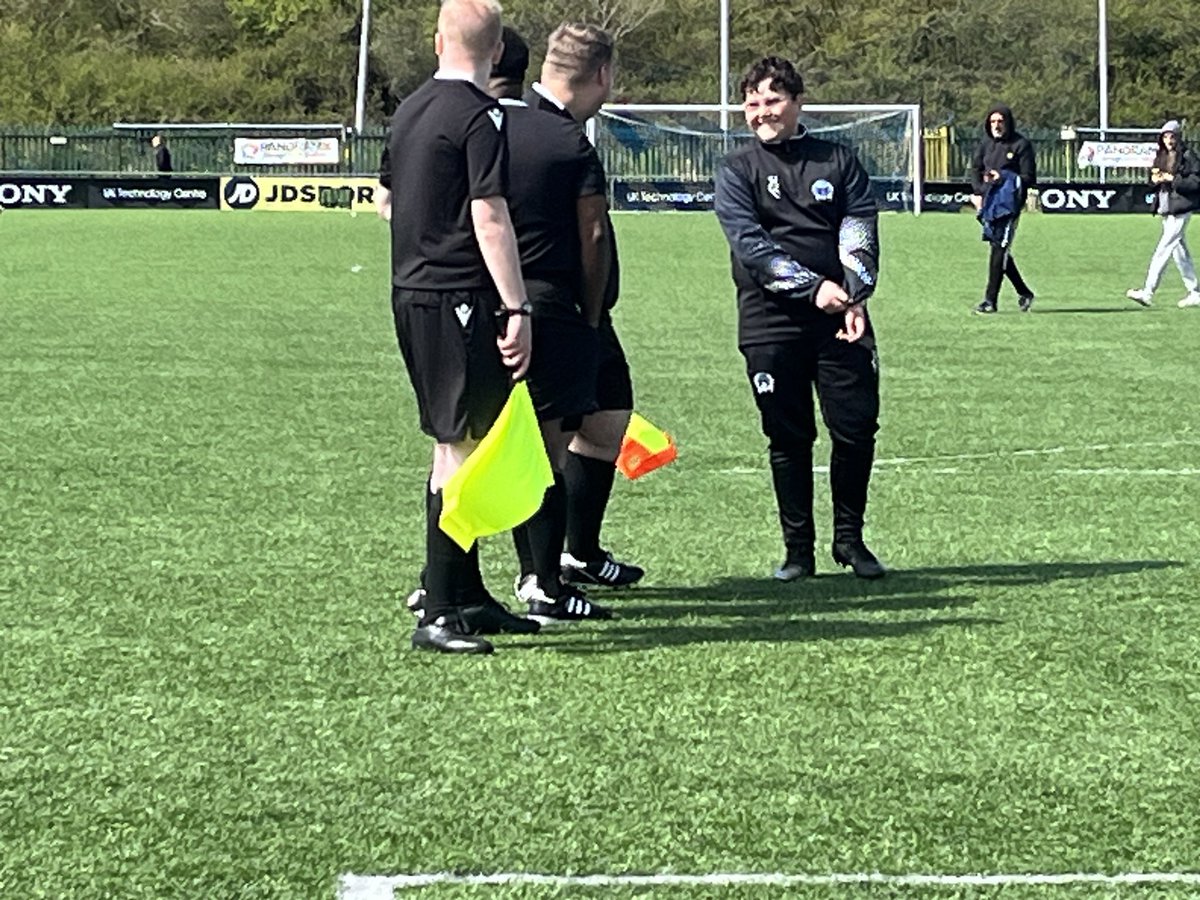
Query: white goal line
[(384, 887)]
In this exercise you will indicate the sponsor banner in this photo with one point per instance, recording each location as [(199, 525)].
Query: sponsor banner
[(1117, 154), (243, 192), (298, 151), (154, 193), (892, 194), (1095, 198), (662, 194), (1052, 197), (946, 196), (20, 192)]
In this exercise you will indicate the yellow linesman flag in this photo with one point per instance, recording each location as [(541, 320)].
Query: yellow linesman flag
[(502, 482), (644, 448)]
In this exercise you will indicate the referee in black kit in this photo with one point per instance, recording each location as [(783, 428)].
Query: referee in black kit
[(559, 210), (801, 223), (576, 80), (461, 315)]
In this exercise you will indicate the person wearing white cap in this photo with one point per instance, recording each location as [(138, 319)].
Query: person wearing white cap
[(1176, 175)]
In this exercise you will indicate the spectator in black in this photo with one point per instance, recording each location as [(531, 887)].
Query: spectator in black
[(162, 155), (1003, 154), (576, 79), (801, 223), (461, 314)]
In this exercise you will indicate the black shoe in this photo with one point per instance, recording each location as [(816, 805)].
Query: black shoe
[(445, 635), (1025, 301), (492, 617), (605, 571), (569, 606), (986, 307), (489, 616), (856, 555), (795, 568)]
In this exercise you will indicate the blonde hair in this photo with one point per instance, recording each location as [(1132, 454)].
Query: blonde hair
[(472, 24), (578, 51)]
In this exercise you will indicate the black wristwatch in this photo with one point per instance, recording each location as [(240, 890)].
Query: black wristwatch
[(525, 309)]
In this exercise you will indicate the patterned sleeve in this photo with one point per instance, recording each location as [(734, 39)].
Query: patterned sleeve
[(858, 235), (767, 262)]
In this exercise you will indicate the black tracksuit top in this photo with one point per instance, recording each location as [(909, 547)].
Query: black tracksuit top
[(788, 199)]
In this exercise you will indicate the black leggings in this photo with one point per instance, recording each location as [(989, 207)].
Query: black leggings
[(1001, 263)]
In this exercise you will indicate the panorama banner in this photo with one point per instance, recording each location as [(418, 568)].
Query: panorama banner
[(1117, 154), (325, 151)]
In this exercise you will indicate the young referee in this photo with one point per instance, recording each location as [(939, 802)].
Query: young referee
[(461, 314), (801, 223)]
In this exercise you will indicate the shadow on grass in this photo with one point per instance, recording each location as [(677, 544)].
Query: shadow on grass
[(627, 636), (901, 589), (764, 610)]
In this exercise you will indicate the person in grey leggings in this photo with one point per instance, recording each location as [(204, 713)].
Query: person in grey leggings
[(1176, 175)]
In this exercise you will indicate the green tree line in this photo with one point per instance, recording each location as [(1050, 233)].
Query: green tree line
[(83, 62)]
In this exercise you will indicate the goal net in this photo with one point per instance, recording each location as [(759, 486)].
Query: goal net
[(660, 156)]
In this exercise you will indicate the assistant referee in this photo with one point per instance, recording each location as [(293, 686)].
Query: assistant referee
[(459, 304)]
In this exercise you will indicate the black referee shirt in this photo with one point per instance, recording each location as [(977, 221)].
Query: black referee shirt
[(446, 148), (553, 165), (537, 102), (798, 191)]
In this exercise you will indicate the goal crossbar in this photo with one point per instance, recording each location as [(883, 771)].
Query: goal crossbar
[(867, 112)]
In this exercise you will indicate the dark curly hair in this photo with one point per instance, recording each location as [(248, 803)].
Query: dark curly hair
[(782, 73)]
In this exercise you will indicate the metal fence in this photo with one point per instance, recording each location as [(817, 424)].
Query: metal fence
[(105, 150), (1057, 158)]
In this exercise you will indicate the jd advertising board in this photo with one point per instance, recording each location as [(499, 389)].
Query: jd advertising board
[(297, 194)]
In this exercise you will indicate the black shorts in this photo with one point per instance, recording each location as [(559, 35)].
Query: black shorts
[(614, 388), (448, 340), (565, 358), (845, 376)]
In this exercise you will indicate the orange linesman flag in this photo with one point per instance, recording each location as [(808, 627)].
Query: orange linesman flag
[(644, 448)]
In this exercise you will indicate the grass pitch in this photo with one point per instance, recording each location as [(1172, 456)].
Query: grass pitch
[(211, 475)]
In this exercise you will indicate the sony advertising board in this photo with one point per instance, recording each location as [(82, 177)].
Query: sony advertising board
[(39, 192), (1095, 199)]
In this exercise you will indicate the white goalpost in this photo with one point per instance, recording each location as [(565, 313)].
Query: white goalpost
[(685, 142)]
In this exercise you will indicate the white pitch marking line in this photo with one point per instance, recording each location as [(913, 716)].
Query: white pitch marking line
[(1119, 471), (383, 887), (999, 454)]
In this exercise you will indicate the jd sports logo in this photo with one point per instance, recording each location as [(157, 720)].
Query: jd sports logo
[(241, 193), (764, 383)]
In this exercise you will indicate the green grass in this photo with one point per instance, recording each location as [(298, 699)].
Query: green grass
[(211, 475)]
